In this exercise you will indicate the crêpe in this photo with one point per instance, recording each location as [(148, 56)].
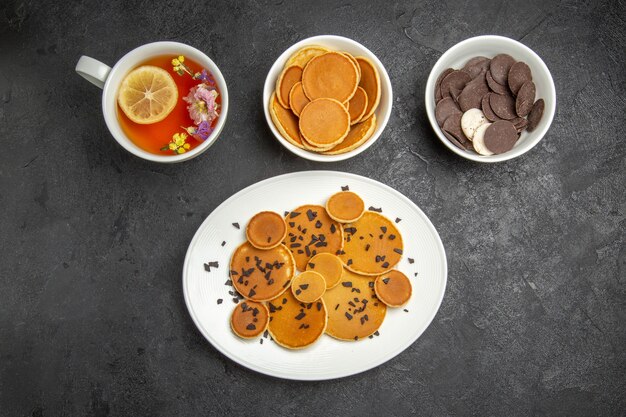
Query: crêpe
[(370, 82), (310, 231), (372, 244), (261, 275), (354, 312), (297, 98), (331, 75), (345, 207), (357, 105), (249, 319), (287, 79), (358, 135), (302, 56), (329, 266), (308, 286), (266, 230), (393, 288), (286, 122), (293, 324), (324, 122)]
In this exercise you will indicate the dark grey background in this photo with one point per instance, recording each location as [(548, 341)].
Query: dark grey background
[(92, 239)]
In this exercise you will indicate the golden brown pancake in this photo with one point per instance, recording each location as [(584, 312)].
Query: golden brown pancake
[(329, 266), (370, 82), (297, 98), (302, 56), (309, 286), (261, 275), (287, 79), (286, 122), (331, 75), (310, 231), (354, 312), (356, 64), (372, 245), (358, 135), (345, 207), (249, 319), (393, 288), (324, 122), (266, 230), (293, 324), (357, 105)]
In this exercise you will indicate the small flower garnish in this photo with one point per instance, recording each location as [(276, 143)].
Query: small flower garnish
[(178, 144)]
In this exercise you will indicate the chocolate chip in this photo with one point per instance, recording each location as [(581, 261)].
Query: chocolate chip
[(503, 105), (294, 214), (386, 280), (236, 225), (398, 251), (534, 117), (300, 316), (385, 265), (518, 75), (411, 260), (398, 219), (348, 316), (347, 284), (345, 188), (525, 99), (219, 301), (500, 136), (500, 66), (445, 108), (376, 210), (223, 243)]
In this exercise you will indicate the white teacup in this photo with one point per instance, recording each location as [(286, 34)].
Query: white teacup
[(109, 79)]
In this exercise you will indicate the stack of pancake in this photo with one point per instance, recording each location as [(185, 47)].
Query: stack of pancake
[(345, 256), (325, 100)]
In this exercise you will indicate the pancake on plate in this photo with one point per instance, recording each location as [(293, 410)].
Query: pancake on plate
[(261, 275), (308, 286), (393, 288), (329, 266), (310, 231), (266, 230), (249, 319), (345, 207), (354, 312), (296, 325), (372, 245)]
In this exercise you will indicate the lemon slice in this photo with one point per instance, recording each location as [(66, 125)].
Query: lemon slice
[(148, 94)]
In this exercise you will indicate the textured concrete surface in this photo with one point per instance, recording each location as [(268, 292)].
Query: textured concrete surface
[(92, 239)]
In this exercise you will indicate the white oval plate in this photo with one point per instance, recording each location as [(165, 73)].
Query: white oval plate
[(328, 358)]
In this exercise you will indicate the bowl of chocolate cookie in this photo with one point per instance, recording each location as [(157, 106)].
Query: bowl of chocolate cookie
[(490, 99)]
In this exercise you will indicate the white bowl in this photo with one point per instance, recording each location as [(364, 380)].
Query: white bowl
[(341, 44), (491, 46)]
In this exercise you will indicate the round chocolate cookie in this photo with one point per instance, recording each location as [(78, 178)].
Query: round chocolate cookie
[(534, 117), (500, 66), (518, 75), (500, 136), (503, 105), (525, 99)]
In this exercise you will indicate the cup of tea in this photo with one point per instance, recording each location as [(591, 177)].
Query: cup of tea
[(164, 101)]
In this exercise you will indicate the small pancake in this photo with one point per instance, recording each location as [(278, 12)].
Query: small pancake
[(358, 135), (331, 75), (329, 266), (297, 99), (345, 207), (302, 56), (370, 82), (309, 286), (266, 230), (354, 312), (310, 231), (287, 79), (357, 105), (261, 275), (309, 147), (286, 122), (353, 59), (296, 325), (393, 288), (324, 122), (380, 248), (249, 319)]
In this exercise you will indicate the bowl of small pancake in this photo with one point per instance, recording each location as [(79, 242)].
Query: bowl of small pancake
[(327, 98)]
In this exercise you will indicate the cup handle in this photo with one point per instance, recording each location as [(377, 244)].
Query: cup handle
[(93, 70)]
